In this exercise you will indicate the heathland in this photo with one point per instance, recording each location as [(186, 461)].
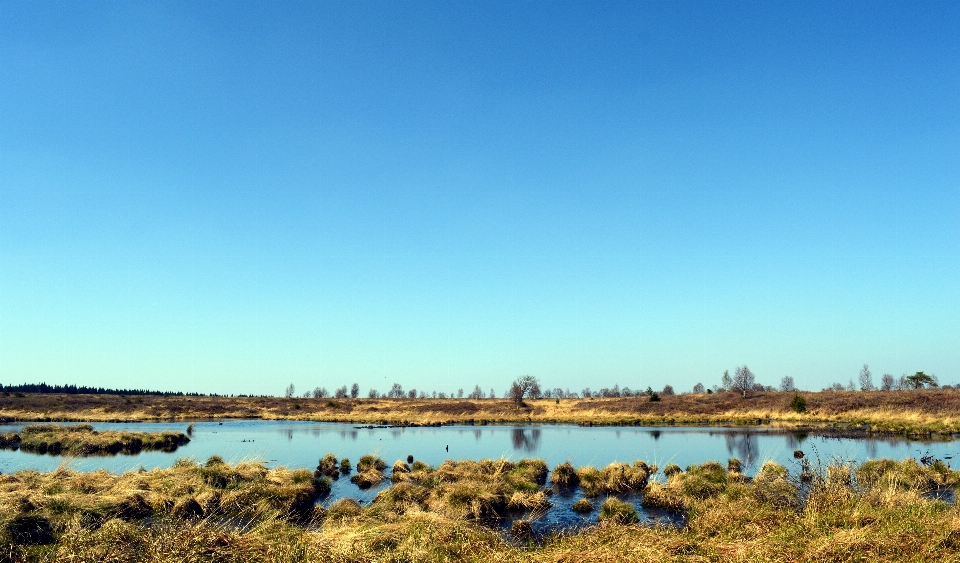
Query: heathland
[(921, 412), (880, 510)]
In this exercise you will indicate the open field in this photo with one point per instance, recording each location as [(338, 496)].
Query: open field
[(915, 413), (214, 511)]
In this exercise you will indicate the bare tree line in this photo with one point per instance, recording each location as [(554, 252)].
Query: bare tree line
[(742, 382)]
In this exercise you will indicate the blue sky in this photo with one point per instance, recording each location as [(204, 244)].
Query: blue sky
[(232, 196)]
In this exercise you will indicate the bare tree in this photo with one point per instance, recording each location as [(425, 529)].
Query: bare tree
[(395, 392), (493, 394), (290, 391), (340, 393), (477, 393), (460, 393), (412, 394), (522, 386), (319, 392), (306, 394), (586, 393), (373, 394), (743, 380), (786, 384), (726, 381), (698, 388), (667, 390), (887, 382), (354, 391), (866, 378)]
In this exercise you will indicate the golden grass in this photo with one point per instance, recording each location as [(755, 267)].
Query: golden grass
[(919, 412), (83, 440), (872, 512)]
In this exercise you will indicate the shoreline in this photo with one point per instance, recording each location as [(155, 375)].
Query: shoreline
[(932, 414)]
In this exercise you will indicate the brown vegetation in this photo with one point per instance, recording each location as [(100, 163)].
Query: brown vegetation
[(915, 412), (83, 440), (218, 512)]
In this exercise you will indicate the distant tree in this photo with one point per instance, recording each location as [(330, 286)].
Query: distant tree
[(902, 383), (441, 395), (460, 393), (535, 392), (726, 382), (319, 392), (477, 393), (887, 382), (493, 394), (340, 393), (290, 391), (373, 394), (743, 380), (354, 391), (866, 378), (786, 384), (586, 393), (667, 390), (698, 388), (559, 393), (522, 386), (423, 394), (654, 397), (836, 387), (850, 385), (919, 380), (306, 394), (412, 394)]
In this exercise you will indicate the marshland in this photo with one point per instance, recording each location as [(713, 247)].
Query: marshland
[(916, 412), (879, 510)]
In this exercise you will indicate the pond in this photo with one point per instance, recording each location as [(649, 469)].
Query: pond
[(295, 444)]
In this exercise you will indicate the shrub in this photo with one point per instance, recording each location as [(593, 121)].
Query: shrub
[(521, 529), (564, 475), (328, 466), (654, 397), (582, 506), (616, 510), (369, 462), (798, 404)]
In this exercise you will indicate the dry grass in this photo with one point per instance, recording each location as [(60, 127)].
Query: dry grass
[(873, 512), (920, 412), (83, 440)]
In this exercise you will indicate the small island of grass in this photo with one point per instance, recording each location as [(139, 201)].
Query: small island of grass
[(83, 440)]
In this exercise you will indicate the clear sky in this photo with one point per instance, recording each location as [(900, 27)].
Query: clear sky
[(232, 196)]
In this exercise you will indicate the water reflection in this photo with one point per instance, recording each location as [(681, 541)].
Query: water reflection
[(523, 440), (743, 446)]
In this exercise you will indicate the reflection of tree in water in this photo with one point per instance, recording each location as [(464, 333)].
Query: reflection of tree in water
[(524, 441), (655, 434), (477, 434), (795, 440), (743, 446)]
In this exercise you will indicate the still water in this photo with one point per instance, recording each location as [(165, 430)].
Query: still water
[(301, 444)]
